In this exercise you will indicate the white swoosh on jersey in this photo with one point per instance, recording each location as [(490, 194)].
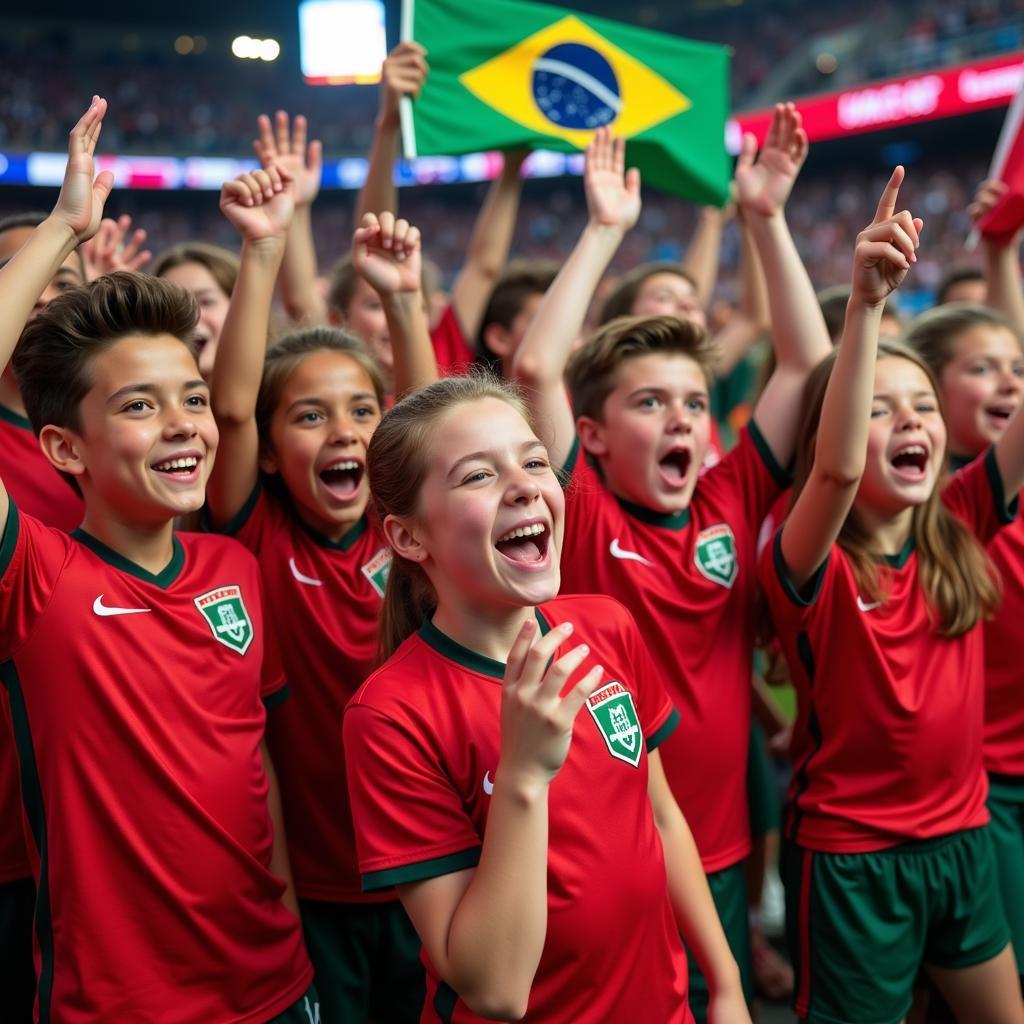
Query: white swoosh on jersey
[(488, 784), (301, 577), (864, 607), (102, 609), (628, 556)]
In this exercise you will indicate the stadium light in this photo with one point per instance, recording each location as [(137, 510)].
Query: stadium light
[(247, 48)]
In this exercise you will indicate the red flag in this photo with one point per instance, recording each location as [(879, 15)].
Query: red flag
[(1007, 216)]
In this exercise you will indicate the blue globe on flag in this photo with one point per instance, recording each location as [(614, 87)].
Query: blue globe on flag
[(575, 87)]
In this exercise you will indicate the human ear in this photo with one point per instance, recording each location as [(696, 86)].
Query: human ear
[(498, 340), (63, 447), (404, 538), (593, 436)]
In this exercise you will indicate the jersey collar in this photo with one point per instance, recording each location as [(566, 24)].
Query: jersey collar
[(12, 417), (901, 558), (957, 462), (666, 520), (162, 579), (473, 660), (346, 542)]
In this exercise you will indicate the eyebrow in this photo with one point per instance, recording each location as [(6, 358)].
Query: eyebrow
[(359, 396), (474, 456), (654, 389), (887, 396), (152, 389)]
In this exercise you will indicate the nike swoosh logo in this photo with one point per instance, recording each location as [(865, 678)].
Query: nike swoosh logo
[(628, 556), (302, 577), (866, 607), (488, 784), (102, 609)]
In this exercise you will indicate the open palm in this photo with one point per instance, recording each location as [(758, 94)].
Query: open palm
[(81, 199), (613, 193), (285, 146), (762, 187)]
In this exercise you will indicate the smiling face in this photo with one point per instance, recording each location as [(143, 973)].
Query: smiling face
[(147, 437), (489, 521), (981, 387), (668, 294), (319, 434), (213, 308), (906, 440), (655, 431)]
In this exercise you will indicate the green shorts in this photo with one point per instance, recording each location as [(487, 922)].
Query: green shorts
[(729, 891), (17, 970), (860, 925), (305, 1010), (762, 794), (366, 959), (1006, 805)]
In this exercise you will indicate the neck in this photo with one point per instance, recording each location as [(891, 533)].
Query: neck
[(10, 396), (330, 529), (890, 532), (150, 547), (490, 632)]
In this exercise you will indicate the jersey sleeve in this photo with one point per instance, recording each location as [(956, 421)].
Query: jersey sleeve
[(751, 472), (32, 558), (253, 521), (975, 496), (791, 607), (410, 823), (451, 350), (658, 718)]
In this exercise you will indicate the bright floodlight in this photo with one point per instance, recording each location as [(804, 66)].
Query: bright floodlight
[(341, 42)]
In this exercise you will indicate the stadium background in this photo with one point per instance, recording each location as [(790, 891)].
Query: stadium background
[(176, 91)]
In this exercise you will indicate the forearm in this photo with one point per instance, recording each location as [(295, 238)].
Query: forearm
[(279, 862), (766, 710), (415, 365), (1003, 278), (378, 191), (299, 294), (701, 260)]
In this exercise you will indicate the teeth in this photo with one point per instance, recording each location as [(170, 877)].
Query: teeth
[(524, 531), (914, 449), (350, 464), (190, 463)]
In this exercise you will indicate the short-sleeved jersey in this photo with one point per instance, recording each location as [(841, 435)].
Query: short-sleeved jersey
[(690, 581), (887, 745), (453, 353), (38, 489), (324, 599), (423, 737), (135, 701)]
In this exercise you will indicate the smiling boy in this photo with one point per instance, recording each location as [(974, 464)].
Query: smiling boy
[(133, 660)]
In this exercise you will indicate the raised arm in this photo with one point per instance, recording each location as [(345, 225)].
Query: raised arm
[(284, 146), (488, 246), (799, 335), (701, 260), (259, 206), (403, 74), (386, 252), (884, 252), (74, 219), (613, 205), (1002, 258)]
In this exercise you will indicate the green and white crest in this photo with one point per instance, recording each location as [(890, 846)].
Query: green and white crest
[(377, 568), (715, 555), (613, 710), (226, 614)]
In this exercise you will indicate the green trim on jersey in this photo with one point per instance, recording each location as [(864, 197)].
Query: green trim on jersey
[(356, 531), (957, 462), (454, 651), (667, 520), (433, 868), (32, 797), (15, 418), (660, 735), (901, 558), (811, 587), (163, 579), (445, 999), (277, 698), (9, 541), (240, 518), (1007, 510), (783, 477), (565, 474)]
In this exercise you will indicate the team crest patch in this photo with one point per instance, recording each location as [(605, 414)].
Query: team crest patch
[(377, 568), (613, 710), (227, 616), (715, 555)]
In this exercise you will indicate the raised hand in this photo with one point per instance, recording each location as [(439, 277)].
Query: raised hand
[(763, 186), (536, 720), (284, 146), (403, 74), (259, 205), (112, 249), (886, 247), (613, 193), (386, 252), (83, 193)]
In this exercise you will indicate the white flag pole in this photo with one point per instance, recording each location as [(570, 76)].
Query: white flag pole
[(405, 103)]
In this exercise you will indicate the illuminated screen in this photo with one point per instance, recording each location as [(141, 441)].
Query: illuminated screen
[(342, 42)]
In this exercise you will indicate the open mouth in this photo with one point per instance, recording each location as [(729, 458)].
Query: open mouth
[(181, 468), (675, 465), (910, 462), (525, 544), (1000, 413), (343, 478)]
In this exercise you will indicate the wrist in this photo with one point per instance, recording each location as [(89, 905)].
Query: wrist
[(59, 229), (526, 789), (605, 232), (388, 120), (401, 303), (269, 249), (724, 979)]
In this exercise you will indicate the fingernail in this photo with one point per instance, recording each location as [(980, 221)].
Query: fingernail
[(583, 648), (566, 627)]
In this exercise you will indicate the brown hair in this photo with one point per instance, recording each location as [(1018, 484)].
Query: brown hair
[(593, 368), (623, 295), (956, 574), (221, 263), (934, 335), (954, 276), (397, 464), (520, 280), (284, 356), (51, 361), (341, 284)]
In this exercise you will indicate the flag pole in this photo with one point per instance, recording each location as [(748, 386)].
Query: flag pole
[(405, 103)]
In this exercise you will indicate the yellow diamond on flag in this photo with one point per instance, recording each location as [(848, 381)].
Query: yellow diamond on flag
[(568, 80)]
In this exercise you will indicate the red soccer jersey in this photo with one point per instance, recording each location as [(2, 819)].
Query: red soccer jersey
[(423, 738), (690, 581), (136, 707), (887, 745), (453, 353), (324, 599), (38, 489)]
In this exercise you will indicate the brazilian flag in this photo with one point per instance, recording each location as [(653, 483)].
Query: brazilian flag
[(506, 74)]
